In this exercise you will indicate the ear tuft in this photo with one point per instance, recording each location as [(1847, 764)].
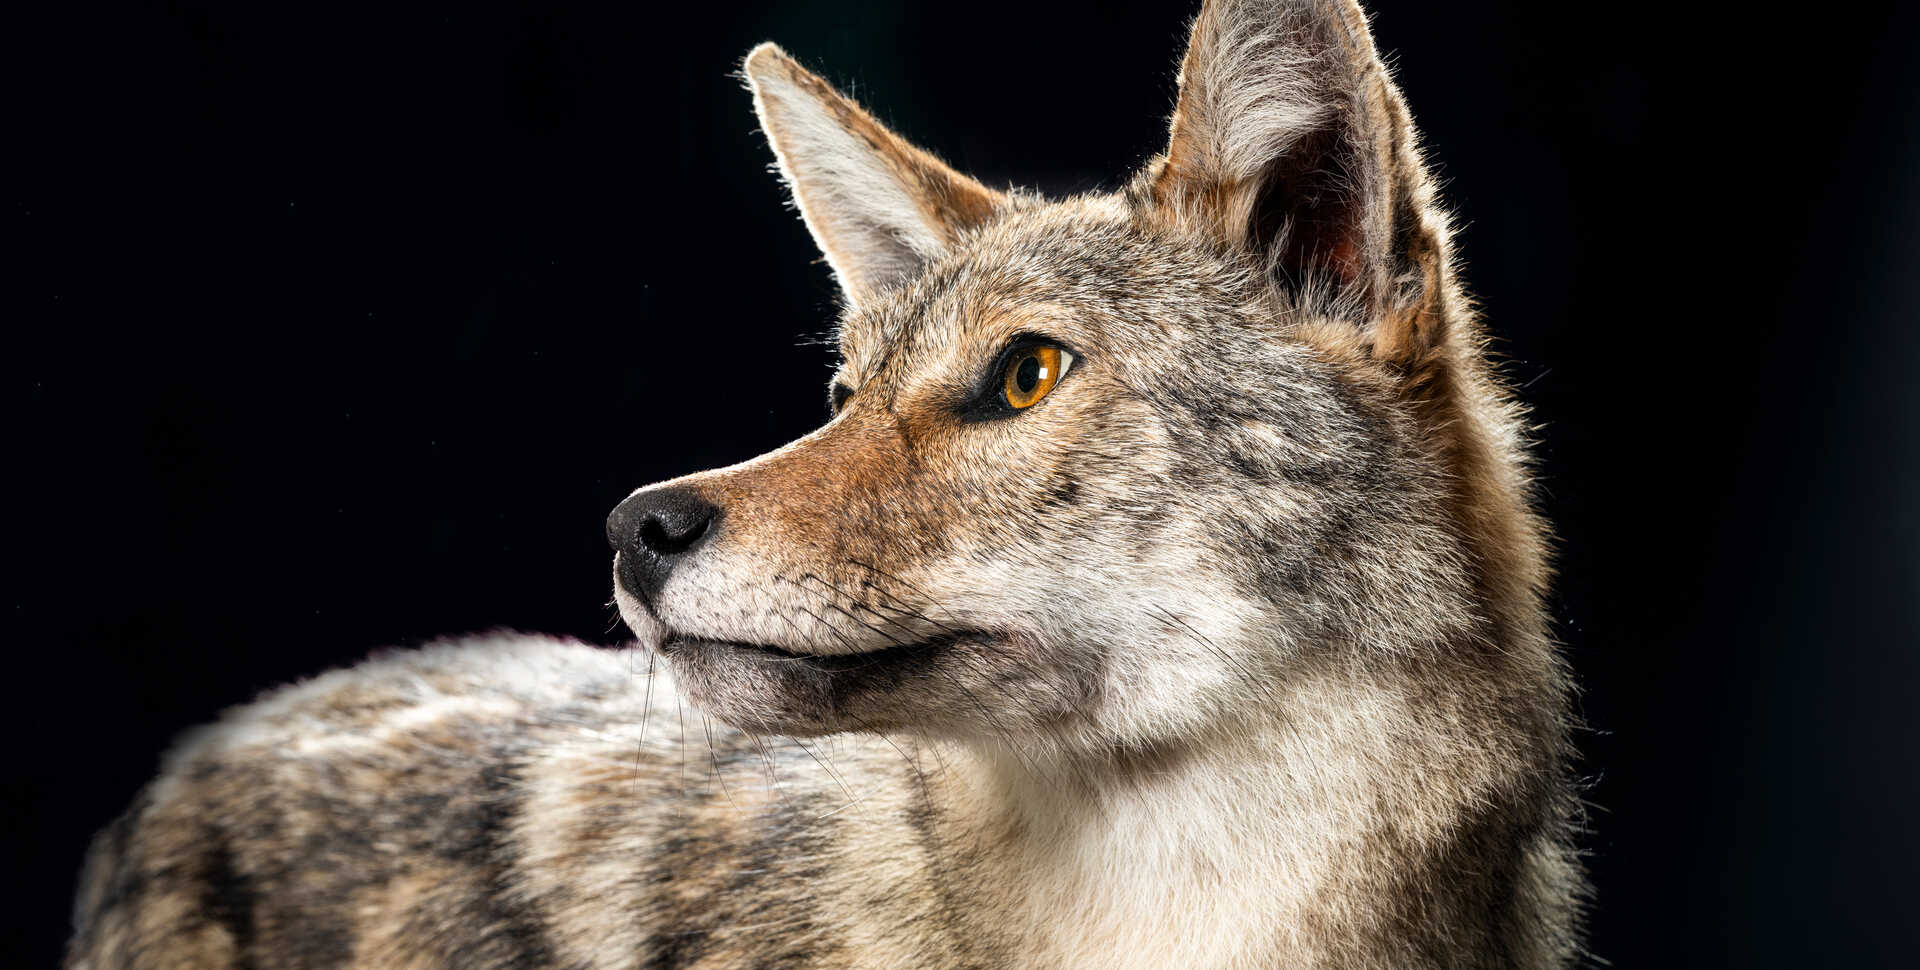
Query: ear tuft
[(878, 207)]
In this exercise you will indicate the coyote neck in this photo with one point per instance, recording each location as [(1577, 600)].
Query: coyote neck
[(1266, 841)]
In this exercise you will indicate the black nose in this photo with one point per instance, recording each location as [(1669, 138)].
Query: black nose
[(653, 530)]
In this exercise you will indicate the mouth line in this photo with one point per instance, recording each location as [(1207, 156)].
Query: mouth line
[(823, 662)]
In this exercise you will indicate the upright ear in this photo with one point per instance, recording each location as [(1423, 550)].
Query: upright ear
[(878, 206), (1288, 139)]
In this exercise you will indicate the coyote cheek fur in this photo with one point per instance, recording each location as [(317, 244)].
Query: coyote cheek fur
[(1224, 650)]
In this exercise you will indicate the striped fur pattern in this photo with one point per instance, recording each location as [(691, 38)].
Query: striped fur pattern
[(1227, 653)]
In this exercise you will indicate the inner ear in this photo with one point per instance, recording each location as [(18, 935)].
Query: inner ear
[(1305, 215), (1289, 140)]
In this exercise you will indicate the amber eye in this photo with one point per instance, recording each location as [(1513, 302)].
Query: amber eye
[(1032, 372)]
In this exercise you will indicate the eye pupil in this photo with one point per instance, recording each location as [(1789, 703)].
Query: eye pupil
[(1028, 375)]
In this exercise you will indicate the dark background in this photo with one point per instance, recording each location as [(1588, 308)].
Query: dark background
[(333, 328)]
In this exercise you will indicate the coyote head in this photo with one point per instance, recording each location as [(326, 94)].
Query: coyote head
[(1103, 470)]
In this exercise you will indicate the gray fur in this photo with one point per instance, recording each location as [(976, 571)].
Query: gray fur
[(1229, 652)]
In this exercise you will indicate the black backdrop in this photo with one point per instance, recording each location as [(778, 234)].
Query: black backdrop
[(334, 328)]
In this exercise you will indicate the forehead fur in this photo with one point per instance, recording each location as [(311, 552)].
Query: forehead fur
[(1084, 262)]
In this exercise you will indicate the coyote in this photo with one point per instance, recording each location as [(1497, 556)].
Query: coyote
[(1162, 592)]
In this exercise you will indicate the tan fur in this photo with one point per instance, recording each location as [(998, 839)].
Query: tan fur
[(1229, 652)]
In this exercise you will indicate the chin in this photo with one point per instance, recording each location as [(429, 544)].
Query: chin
[(758, 687)]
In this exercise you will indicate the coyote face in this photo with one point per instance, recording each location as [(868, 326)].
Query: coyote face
[(1100, 469)]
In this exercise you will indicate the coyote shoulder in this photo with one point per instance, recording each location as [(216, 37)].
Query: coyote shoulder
[(1163, 591)]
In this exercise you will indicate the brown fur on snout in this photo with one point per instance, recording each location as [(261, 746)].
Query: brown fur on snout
[(856, 463)]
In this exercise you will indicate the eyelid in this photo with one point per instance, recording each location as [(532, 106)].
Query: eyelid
[(1024, 341)]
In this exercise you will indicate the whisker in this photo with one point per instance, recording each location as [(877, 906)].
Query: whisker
[(851, 797), (856, 601), (896, 748), (714, 759), (831, 629), (909, 586), (640, 746), (646, 712), (682, 705), (759, 741)]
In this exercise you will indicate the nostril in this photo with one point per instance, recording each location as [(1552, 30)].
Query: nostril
[(670, 534)]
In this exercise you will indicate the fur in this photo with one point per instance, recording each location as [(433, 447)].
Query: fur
[(1229, 652)]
